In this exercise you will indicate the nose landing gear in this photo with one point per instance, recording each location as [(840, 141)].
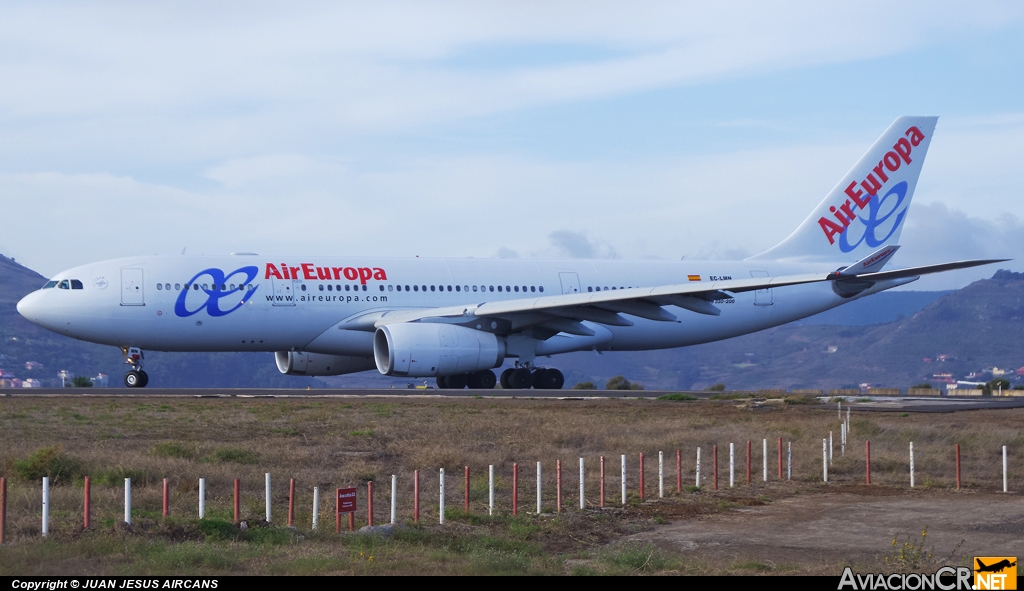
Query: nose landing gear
[(134, 377)]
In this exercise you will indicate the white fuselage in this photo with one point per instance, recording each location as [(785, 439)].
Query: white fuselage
[(252, 303)]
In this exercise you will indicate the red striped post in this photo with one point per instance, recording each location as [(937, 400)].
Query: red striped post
[(714, 456), (369, 503), (466, 504), (86, 511), (867, 461), (602, 481), (515, 488), (748, 461), (641, 476), (679, 470), (558, 486), (780, 458), (166, 510), (291, 501), (958, 466), (3, 508), (237, 494), (415, 496)]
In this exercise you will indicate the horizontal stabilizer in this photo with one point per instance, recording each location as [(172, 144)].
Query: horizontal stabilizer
[(926, 269)]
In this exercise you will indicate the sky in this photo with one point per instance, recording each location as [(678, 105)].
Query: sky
[(476, 129)]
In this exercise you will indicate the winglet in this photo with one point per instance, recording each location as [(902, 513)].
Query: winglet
[(869, 264)]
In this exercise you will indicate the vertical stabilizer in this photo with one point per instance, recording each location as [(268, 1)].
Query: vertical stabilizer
[(868, 208)]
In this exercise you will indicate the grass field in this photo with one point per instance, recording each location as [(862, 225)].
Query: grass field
[(347, 442)]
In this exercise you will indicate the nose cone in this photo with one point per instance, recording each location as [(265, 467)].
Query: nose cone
[(31, 307)]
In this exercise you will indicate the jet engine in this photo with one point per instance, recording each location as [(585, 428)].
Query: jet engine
[(429, 349), (297, 363)]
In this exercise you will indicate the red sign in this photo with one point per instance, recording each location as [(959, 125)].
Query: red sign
[(346, 500)]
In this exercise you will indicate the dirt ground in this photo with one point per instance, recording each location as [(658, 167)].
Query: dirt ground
[(855, 525)]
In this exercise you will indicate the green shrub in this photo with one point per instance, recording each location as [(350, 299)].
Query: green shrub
[(677, 396), (719, 387), (584, 386), (81, 382), (50, 462), (621, 383), (238, 456)]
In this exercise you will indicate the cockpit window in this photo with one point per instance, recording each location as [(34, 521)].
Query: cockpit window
[(76, 284), (50, 284), (64, 284)]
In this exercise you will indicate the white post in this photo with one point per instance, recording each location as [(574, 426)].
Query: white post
[(830, 448), (842, 437), (789, 461), (847, 420), (441, 497), (824, 459), (394, 498), (1004, 468), (316, 506), (623, 479), (661, 475), (46, 506), (840, 403), (538, 489), (490, 489), (267, 477), (128, 501), (764, 459), (698, 468), (582, 497), (911, 464), (732, 463), (202, 498)]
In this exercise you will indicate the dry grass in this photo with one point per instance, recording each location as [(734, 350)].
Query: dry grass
[(345, 442)]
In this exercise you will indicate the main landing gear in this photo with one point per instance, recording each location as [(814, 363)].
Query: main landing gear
[(479, 380), (134, 377), (539, 378)]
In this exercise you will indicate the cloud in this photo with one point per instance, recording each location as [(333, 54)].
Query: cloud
[(576, 245)]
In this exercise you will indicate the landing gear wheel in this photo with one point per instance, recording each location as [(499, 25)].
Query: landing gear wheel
[(442, 382), (482, 380), (536, 379), (132, 379), (144, 379), (457, 381), (550, 379), (520, 379), (504, 378)]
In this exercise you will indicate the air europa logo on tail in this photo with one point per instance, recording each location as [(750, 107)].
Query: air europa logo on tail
[(311, 272), (866, 198)]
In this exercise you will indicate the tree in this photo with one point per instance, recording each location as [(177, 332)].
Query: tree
[(621, 383), (719, 387), (584, 386)]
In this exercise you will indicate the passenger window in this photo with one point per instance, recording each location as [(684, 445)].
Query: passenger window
[(431, 288), (533, 288), (517, 289), (348, 287), (492, 288), (177, 286), (590, 288), (507, 288), (330, 287), (365, 288), (303, 287), (415, 288), (474, 288), (541, 289), (465, 288), (457, 288), (321, 287), (159, 285), (449, 288), (382, 287), (390, 287), (524, 289), (499, 288)]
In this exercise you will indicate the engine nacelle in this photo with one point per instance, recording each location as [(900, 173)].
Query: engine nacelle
[(297, 363), (427, 349)]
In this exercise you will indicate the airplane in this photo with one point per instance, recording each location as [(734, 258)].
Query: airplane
[(994, 568), (458, 319)]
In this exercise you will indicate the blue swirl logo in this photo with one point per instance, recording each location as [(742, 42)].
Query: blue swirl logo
[(217, 291), (876, 218)]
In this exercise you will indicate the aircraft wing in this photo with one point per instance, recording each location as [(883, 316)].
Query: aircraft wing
[(564, 313)]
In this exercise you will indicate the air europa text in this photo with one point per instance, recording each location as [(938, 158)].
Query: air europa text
[(311, 272), (875, 180)]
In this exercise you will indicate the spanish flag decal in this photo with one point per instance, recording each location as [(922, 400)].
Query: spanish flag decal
[(693, 277)]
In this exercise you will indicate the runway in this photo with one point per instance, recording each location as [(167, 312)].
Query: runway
[(870, 404)]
